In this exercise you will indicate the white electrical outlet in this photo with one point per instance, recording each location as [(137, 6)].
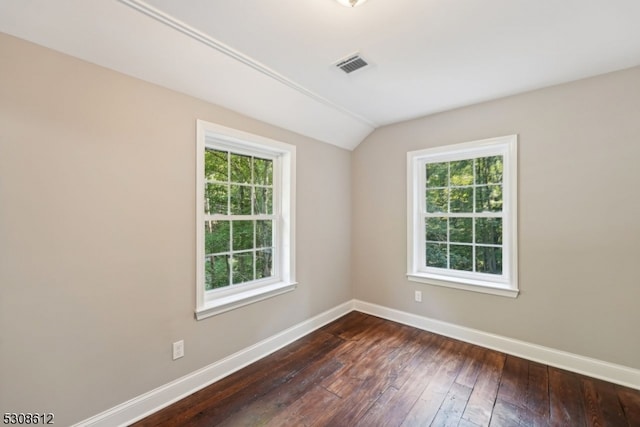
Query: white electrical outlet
[(418, 296), (178, 349)]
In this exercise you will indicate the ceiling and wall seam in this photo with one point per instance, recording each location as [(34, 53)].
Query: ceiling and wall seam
[(275, 62), (211, 42)]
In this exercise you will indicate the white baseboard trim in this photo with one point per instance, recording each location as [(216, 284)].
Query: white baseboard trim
[(595, 368), (152, 401)]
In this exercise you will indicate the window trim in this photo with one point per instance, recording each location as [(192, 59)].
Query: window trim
[(212, 135), (503, 285)]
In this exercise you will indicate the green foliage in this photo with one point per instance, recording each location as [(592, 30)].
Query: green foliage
[(242, 267), (264, 263), (216, 236), (461, 173), (461, 230), (437, 175), (489, 170), (263, 200), (452, 186), (489, 198), (238, 184), (237, 251), (240, 199), (489, 231), (264, 234), (231, 260), (216, 272), (461, 257), (464, 187), (216, 166), (262, 171), (462, 199), (240, 169), (437, 229), (242, 235), (437, 255), (216, 199), (489, 260), (438, 200)]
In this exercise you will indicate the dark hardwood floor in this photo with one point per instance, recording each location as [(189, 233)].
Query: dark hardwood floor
[(361, 370)]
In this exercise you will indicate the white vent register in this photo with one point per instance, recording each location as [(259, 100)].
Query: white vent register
[(352, 63)]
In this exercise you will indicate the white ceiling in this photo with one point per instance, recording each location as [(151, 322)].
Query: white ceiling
[(273, 59)]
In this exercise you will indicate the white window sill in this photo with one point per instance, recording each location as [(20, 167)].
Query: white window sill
[(465, 284), (240, 299)]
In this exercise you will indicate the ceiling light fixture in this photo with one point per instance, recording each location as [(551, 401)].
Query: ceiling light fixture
[(351, 3)]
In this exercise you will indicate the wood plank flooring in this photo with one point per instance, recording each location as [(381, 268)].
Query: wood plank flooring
[(361, 370)]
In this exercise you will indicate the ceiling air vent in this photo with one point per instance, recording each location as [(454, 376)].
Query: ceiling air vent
[(352, 63)]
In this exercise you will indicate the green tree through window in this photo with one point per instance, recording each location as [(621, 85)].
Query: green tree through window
[(463, 214), (239, 218)]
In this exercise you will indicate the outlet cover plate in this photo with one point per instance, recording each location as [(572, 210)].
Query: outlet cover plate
[(178, 349)]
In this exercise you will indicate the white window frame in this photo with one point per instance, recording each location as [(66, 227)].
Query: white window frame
[(216, 301), (505, 284)]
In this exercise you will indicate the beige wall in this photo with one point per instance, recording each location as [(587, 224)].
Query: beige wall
[(579, 217), (97, 241), (97, 245)]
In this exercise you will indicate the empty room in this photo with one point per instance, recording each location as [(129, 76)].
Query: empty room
[(319, 213)]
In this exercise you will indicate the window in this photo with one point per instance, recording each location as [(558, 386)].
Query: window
[(245, 218), (462, 216)]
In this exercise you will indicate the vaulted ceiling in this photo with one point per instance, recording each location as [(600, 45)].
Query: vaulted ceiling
[(274, 60)]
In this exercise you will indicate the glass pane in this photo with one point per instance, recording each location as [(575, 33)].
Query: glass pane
[(242, 267), (264, 200), (462, 172), (216, 165), (264, 234), (240, 169), (436, 229), (461, 257), (242, 235), (489, 231), (489, 170), (216, 237), (437, 175), (461, 230), (215, 199), (216, 272), (437, 200), (489, 198), (262, 171), (436, 255), (462, 199), (264, 264), (240, 200), (488, 260)]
